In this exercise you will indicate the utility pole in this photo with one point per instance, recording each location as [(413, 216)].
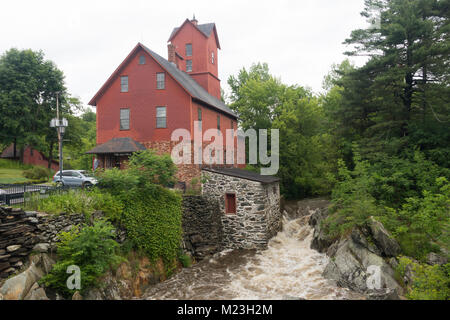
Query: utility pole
[(60, 126)]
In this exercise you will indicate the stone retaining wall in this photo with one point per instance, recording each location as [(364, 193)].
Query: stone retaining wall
[(202, 226), (21, 230)]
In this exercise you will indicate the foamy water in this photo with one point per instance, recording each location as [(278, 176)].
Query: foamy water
[(287, 269)]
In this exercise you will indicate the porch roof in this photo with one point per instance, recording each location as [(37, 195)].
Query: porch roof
[(118, 145)]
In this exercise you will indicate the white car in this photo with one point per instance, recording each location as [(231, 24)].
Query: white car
[(80, 178)]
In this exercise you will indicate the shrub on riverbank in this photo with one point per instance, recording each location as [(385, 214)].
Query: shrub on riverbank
[(78, 201), (151, 213), (411, 198), (91, 248), (428, 282)]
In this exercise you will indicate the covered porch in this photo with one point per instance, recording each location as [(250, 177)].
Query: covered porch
[(115, 153)]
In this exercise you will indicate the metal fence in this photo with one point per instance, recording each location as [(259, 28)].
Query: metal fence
[(11, 194)]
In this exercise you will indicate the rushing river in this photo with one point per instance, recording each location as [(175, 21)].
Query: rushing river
[(288, 269)]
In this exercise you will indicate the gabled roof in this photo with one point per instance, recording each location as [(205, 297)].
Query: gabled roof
[(243, 174), (206, 29), (190, 85), (118, 145)]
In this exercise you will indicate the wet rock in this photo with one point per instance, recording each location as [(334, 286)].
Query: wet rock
[(387, 294), (359, 269), (361, 237), (18, 287), (383, 239), (321, 242), (36, 293)]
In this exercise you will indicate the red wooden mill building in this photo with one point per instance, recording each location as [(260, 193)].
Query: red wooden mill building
[(148, 97)]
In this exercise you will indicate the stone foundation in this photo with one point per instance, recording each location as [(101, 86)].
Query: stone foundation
[(202, 226)]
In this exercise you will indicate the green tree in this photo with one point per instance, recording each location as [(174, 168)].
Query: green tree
[(28, 88), (400, 98)]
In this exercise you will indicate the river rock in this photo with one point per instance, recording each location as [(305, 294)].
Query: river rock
[(351, 266), (320, 241), (36, 293), (383, 239), (17, 288)]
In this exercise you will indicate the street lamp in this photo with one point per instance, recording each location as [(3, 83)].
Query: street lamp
[(60, 125)]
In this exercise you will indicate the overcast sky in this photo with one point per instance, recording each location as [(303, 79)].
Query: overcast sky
[(299, 39)]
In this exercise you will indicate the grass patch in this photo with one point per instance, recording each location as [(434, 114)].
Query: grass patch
[(12, 172), (12, 176)]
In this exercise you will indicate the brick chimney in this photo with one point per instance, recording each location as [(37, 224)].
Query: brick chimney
[(173, 56)]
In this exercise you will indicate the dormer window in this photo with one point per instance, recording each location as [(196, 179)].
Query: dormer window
[(188, 65), (188, 50)]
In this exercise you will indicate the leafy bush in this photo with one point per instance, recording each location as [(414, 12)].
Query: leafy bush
[(151, 214), (37, 173), (81, 201), (411, 205), (152, 218), (429, 282), (152, 168), (91, 248), (116, 181), (422, 225)]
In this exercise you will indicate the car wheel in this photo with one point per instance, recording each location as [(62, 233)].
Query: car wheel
[(59, 184), (87, 185)]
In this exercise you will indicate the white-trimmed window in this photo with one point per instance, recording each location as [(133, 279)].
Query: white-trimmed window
[(161, 117), (188, 50), (188, 65), (124, 84), (142, 59), (125, 119), (160, 80)]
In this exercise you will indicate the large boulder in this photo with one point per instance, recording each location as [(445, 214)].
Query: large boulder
[(20, 286), (384, 241), (355, 267), (320, 241), (17, 288), (36, 293)]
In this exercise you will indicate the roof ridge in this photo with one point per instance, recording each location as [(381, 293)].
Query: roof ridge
[(196, 90)]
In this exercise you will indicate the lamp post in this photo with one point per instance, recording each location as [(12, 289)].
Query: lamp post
[(60, 125)]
